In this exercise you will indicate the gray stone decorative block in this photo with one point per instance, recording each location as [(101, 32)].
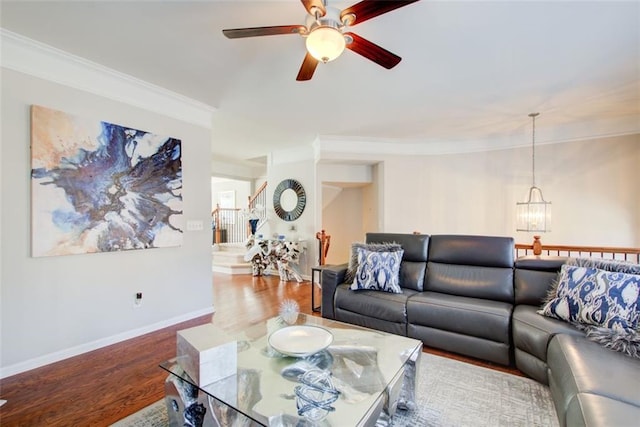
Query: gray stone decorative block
[(207, 354)]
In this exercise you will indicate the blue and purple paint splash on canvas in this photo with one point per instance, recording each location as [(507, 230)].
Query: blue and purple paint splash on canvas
[(101, 187)]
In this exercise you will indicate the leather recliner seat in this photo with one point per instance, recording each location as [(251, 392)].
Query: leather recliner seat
[(468, 297)]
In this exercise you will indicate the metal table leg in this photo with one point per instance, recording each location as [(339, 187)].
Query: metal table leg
[(314, 270)]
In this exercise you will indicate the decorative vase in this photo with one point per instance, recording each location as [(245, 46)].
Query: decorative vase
[(289, 310), (253, 223), (537, 245)]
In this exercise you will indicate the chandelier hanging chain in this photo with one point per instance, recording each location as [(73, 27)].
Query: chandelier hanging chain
[(533, 148)]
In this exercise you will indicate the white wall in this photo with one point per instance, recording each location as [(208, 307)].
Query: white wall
[(242, 190), (345, 173), (56, 307), (351, 212), (594, 187), (234, 169), (296, 164), (343, 220), (374, 201), (352, 209)]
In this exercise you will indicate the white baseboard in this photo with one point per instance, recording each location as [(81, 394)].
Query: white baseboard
[(94, 345)]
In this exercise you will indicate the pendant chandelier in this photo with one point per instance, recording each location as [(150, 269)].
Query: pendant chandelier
[(535, 213)]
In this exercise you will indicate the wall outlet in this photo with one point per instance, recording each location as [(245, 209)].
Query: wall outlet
[(137, 302)]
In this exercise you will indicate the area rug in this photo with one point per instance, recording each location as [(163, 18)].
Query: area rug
[(450, 393)]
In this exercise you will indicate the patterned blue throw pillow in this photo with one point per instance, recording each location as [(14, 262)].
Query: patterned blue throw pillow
[(590, 296), (378, 271), (374, 247), (615, 265)]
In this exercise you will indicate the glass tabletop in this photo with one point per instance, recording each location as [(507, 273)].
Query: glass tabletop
[(362, 363)]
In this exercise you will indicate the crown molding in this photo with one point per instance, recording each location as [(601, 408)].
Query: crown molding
[(37, 59), (372, 150)]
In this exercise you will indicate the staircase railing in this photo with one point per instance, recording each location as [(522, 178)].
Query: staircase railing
[(257, 205), (537, 248), (228, 224), (231, 225)]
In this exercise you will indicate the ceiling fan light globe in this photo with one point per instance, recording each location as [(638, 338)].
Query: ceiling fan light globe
[(325, 43)]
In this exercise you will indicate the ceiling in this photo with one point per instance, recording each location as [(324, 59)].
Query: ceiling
[(471, 71)]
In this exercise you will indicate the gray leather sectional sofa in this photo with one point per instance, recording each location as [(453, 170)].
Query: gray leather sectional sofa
[(468, 295)]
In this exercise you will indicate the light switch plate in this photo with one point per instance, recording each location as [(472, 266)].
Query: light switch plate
[(195, 225)]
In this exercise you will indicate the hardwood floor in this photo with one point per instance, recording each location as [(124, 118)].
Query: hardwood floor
[(105, 385)]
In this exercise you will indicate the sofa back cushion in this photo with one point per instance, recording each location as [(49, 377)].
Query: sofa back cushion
[(534, 276), (414, 260), (471, 266)]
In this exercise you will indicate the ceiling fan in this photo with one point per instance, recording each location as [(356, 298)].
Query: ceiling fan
[(326, 33)]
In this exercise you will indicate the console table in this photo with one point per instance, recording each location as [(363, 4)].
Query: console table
[(278, 254)]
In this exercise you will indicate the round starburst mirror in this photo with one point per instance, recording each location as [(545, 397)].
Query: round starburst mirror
[(289, 199)]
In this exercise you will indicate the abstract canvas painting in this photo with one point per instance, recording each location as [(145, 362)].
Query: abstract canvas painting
[(102, 187)]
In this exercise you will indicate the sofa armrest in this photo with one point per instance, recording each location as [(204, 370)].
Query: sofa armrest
[(534, 276), (332, 276), (541, 263)]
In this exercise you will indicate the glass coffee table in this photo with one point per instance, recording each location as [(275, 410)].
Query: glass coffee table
[(337, 375)]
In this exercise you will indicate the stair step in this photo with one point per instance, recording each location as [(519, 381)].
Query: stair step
[(229, 247), (228, 258), (231, 268)]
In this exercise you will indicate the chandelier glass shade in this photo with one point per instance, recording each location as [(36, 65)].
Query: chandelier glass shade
[(325, 43), (534, 214)]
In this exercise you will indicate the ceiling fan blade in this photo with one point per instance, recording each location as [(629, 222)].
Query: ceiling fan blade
[(368, 9), (372, 51), (237, 33), (308, 68), (311, 4)]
